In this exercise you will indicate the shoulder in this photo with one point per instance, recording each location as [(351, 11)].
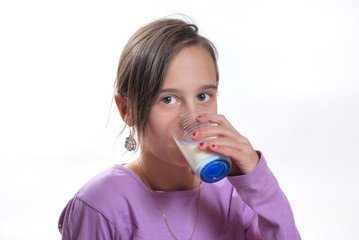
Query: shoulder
[(111, 190), (103, 201), (113, 182)]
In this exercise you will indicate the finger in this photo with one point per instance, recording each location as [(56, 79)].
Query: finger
[(245, 157), (214, 118), (211, 131), (219, 131), (225, 144)]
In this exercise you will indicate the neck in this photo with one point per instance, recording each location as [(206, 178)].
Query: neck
[(164, 176)]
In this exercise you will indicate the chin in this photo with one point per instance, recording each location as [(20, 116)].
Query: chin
[(178, 159)]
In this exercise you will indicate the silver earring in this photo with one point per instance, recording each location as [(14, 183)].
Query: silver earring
[(130, 142)]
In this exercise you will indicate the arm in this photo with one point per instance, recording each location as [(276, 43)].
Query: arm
[(251, 178), (260, 191)]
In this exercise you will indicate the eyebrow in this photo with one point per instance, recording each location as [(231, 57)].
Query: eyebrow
[(215, 87)]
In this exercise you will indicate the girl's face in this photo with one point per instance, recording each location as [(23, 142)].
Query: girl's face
[(190, 85)]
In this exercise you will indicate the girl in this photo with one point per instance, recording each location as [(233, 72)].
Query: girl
[(167, 69)]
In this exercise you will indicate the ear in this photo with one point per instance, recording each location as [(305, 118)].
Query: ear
[(121, 103)]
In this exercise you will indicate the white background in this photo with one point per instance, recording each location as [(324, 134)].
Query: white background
[(288, 81)]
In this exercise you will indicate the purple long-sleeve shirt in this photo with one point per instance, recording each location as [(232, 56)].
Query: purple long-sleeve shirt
[(116, 204)]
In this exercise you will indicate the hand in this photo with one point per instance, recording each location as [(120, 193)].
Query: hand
[(228, 141)]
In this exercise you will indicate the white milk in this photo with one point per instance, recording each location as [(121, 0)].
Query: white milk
[(194, 155)]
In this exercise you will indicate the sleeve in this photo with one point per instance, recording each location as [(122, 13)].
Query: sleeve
[(260, 191), (80, 221)]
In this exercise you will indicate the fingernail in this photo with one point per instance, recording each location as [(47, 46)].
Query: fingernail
[(201, 144), (194, 134), (213, 146), (199, 116)]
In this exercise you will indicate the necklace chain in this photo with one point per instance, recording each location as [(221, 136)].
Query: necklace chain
[(144, 177)]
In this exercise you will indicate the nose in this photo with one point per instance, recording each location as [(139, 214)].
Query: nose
[(192, 106), (185, 125), (187, 115), (189, 108)]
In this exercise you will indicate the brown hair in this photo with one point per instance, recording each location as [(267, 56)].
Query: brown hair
[(144, 62)]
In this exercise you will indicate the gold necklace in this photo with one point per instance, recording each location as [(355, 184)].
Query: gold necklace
[(144, 177)]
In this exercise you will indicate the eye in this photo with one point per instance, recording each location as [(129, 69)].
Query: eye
[(169, 100), (203, 97)]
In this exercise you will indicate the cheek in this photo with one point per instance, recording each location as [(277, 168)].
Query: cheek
[(159, 140), (159, 130)]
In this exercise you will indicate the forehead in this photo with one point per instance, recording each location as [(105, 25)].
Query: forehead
[(193, 65)]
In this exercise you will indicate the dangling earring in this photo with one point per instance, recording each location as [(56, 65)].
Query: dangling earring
[(130, 142)]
